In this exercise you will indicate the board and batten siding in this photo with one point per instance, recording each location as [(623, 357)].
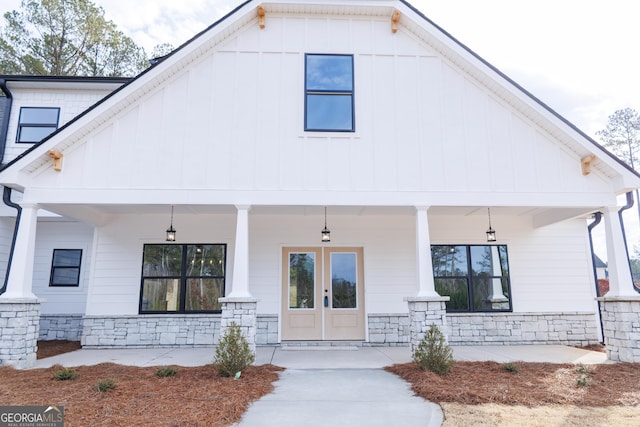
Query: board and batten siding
[(61, 235), (233, 122)]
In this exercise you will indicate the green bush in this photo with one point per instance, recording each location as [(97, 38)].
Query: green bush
[(511, 367), (64, 374), (166, 371), (233, 354), (105, 385), (433, 354)]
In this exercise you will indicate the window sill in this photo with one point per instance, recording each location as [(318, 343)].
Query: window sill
[(328, 135)]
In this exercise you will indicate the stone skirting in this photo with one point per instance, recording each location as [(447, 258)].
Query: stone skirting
[(173, 330), (389, 329), (267, 329), (60, 327), (19, 326), (424, 312), (572, 328), (621, 327), (242, 312)]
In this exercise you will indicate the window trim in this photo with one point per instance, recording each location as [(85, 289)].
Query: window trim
[(469, 278), (22, 125), (183, 280), (350, 93), (54, 268)]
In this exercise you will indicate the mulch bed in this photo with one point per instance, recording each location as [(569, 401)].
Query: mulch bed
[(55, 347), (533, 384), (196, 396)]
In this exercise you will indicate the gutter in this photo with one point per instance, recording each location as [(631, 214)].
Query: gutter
[(4, 126), (597, 218), (6, 198)]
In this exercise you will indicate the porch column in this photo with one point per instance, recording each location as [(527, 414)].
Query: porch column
[(620, 281), (428, 307), (239, 306), (620, 307), (19, 307)]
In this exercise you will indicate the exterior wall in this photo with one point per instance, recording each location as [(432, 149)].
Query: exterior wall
[(621, 324), (61, 235), (522, 328), (71, 103), (60, 327), (7, 225), (18, 333)]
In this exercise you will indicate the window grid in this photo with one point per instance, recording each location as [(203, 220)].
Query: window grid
[(65, 268), (36, 123)]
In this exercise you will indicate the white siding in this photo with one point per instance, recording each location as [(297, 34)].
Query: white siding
[(232, 121), (61, 235)]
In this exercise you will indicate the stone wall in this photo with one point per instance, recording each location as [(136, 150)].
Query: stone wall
[(242, 312), (621, 326), (60, 327), (19, 325), (522, 328), (193, 330), (389, 329), (267, 330)]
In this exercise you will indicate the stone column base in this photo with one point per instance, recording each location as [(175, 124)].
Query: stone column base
[(242, 311), (424, 312), (621, 327), (19, 329)]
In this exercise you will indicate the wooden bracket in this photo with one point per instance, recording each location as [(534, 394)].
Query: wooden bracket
[(261, 17), (395, 18), (585, 162), (57, 159)]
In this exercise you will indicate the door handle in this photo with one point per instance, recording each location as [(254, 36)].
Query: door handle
[(326, 299)]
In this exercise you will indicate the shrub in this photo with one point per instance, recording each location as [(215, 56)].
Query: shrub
[(105, 385), (511, 367), (584, 381), (64, 374), (166, 371), (433, 354), (233, 353)]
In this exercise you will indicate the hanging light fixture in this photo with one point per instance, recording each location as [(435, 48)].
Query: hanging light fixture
[(491, 233), (171, 232), (326, 234)]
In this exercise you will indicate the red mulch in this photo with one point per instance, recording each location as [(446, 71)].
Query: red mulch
[(534, 384), (52, 348)]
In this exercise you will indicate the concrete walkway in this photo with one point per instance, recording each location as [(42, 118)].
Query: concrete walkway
[(342, 386)]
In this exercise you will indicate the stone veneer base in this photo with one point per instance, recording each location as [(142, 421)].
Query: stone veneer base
[(19, 327), (60, 327), (621, 326)]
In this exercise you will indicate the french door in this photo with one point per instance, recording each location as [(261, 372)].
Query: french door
[(322, 293)]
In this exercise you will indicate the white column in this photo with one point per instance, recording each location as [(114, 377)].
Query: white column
[(620, 281), (426, 286), (20, 280), (240, 282)]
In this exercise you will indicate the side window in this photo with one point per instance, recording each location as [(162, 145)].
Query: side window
[(329, 93), (36, 123), (474, 277), (65, 267)]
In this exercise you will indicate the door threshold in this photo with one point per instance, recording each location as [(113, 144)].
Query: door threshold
[(321, 345)]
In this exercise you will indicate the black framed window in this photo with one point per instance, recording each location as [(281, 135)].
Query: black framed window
[(65, 267), (474, 277), (36, 123), (182, 278), (329, 104)]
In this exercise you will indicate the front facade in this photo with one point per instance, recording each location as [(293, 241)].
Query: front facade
[(280, 121)]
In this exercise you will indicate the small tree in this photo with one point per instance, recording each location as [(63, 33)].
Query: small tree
[(233, 354), (433, 354)]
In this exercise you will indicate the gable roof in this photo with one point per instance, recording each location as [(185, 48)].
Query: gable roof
[(412, 20)]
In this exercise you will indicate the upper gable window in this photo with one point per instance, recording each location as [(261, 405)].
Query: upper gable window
[(35, 123), (329, 93)]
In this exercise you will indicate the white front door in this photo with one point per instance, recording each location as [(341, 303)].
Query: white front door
[(322, 294)]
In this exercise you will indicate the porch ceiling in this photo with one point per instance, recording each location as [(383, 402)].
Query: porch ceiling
[(97, 214)]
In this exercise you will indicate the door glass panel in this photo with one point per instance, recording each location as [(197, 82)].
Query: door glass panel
[(302, 280), (344, 291)]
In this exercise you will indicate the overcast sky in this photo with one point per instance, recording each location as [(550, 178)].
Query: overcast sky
[(578, 56)]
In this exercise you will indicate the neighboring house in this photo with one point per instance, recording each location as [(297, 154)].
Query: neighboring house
[(283, 120)]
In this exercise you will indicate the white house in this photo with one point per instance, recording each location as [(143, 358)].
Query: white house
[(282, 120)]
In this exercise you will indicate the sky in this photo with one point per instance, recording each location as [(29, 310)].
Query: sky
[(580, 57)]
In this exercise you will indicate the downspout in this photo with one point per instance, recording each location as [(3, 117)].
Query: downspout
[(629, 205), (6, 198), (597, 217), (4, 126)]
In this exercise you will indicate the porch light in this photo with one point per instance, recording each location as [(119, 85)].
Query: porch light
[(491, 233), (171, 232), (326, 234)]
